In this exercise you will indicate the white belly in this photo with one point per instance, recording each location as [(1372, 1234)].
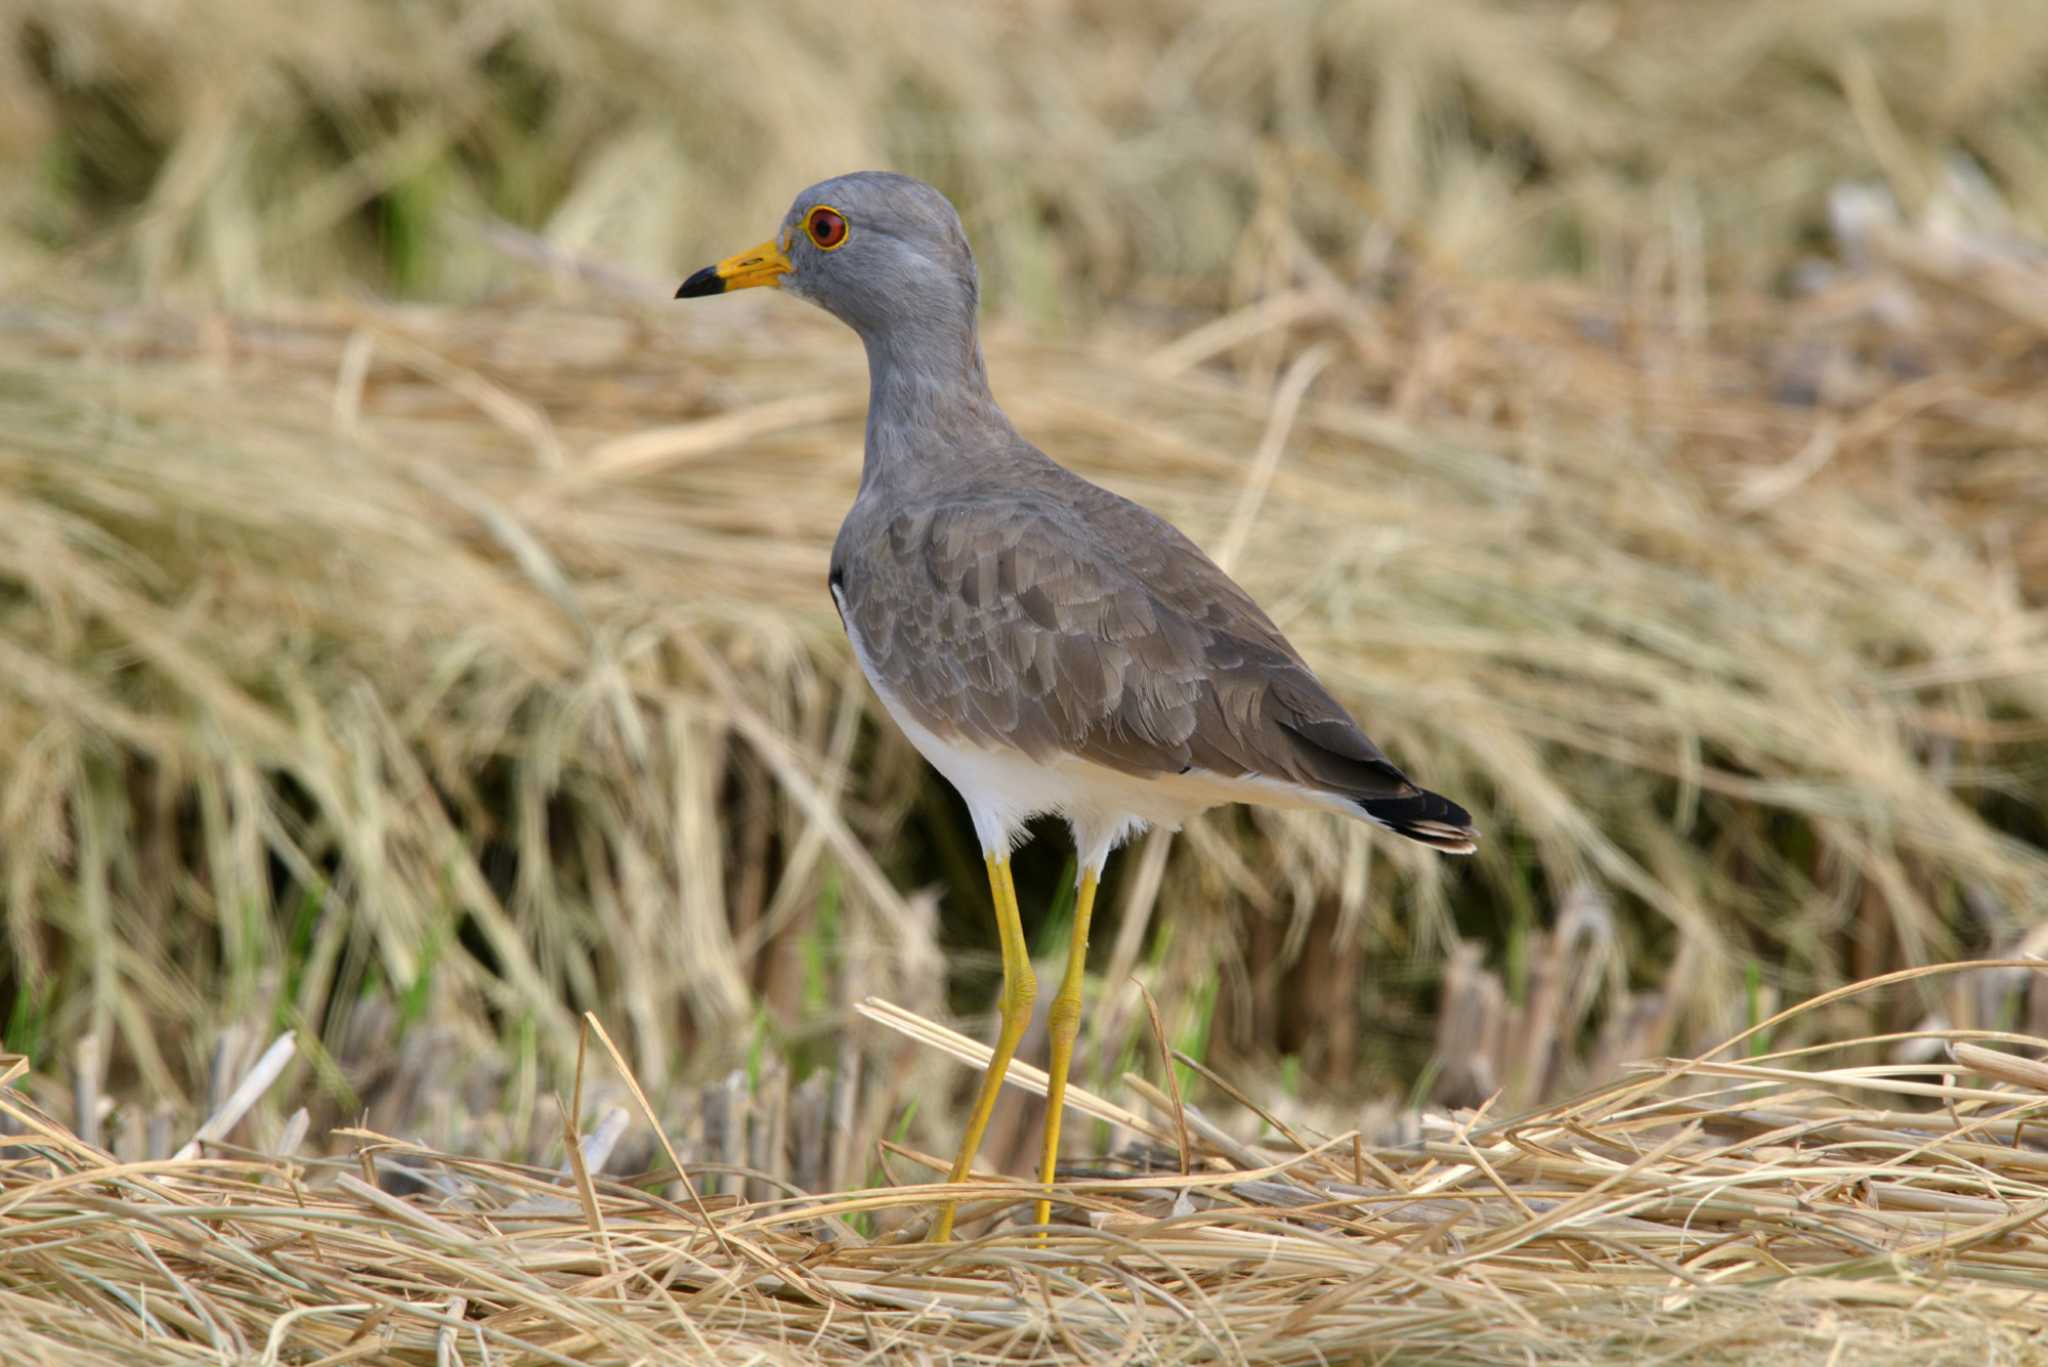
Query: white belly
[(1005, 788)]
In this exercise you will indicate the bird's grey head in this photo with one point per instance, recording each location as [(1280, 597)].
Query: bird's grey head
[(883, 253), (886, 255)]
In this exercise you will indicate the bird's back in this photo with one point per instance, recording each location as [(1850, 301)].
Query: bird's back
[(1007, 602)]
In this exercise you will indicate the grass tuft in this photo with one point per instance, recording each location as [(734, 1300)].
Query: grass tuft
[(1721, 1208), (381, 669), (1633, 412)]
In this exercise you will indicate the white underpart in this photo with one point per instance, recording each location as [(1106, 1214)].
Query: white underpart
[(1104, 807)]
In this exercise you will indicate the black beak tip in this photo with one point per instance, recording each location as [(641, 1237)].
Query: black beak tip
[(702, 283)]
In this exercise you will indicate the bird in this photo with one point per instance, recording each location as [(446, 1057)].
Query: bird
[(1050, 647)]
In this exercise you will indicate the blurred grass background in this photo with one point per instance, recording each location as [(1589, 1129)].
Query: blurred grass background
[(412, 626)]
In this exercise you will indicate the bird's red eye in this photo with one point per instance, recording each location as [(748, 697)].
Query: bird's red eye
[(826, 227)]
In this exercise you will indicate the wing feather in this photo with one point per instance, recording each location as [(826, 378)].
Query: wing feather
[(1065, 618)]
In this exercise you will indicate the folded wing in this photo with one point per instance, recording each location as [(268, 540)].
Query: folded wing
[(1069, 619)]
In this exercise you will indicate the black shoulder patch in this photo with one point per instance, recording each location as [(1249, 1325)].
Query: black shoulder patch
[(836, 581)]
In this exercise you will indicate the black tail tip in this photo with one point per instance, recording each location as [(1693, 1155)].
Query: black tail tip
[(1426, 818)]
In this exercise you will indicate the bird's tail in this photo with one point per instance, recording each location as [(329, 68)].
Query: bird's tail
[(1428, 818)]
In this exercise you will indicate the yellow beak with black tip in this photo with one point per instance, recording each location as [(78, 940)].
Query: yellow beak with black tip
[(762, 265)]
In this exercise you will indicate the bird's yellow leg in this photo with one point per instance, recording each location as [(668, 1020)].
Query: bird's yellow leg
[(1020, 987), (1063, 1023)]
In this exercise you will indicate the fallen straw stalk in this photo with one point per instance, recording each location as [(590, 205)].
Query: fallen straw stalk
[(594, 722), (1773, 1207)]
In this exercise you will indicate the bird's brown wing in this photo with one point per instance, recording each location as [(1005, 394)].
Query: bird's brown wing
[(1069, 619)]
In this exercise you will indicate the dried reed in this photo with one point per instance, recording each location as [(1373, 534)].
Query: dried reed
[(369, 669), (1666, 484), (1102, 149), (1783, 1207)]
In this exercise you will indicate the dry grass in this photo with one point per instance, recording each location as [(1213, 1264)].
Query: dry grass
[(373, 668), (1708, 565), (1788, 1207), (1634, 412), (1099, 147)]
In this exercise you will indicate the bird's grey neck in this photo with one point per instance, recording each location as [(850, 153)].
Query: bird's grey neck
[(928, 400)]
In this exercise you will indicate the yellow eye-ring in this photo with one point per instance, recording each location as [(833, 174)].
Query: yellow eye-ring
[(826, 227)]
